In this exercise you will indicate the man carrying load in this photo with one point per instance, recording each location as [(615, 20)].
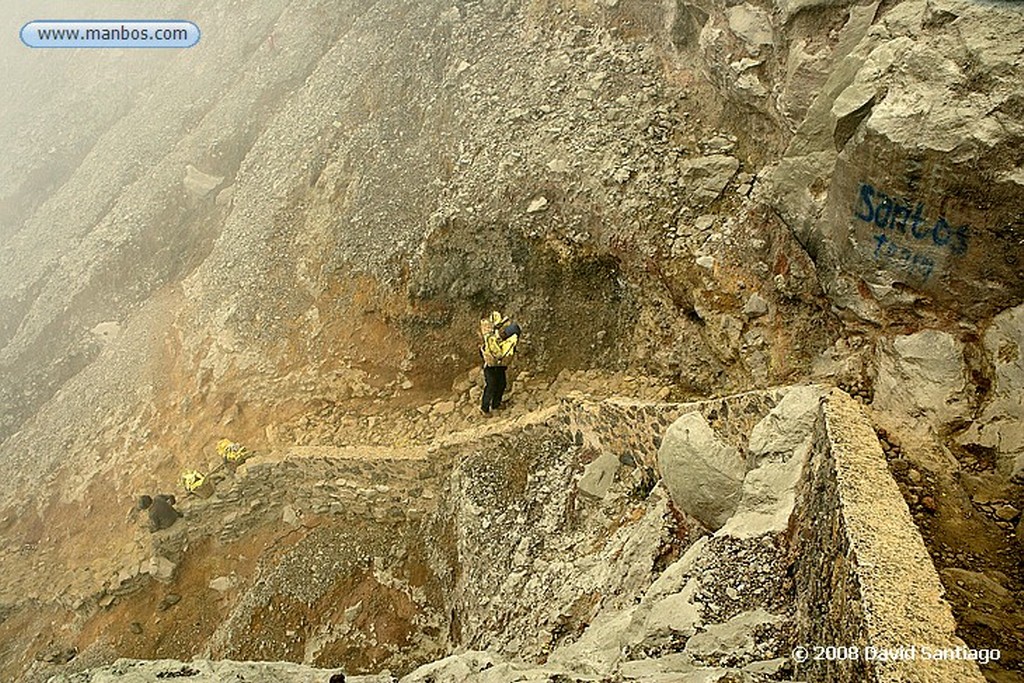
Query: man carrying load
[(196, 483), (231, 454), (500, 336)]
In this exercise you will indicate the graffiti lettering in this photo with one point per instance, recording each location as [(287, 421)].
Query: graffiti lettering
[(893, 215), (917, 263)]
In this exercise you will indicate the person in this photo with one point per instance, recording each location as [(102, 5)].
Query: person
[(162, 514), (500, 337), (197, 483)]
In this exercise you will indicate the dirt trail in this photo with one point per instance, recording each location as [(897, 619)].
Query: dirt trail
[(455, 417)]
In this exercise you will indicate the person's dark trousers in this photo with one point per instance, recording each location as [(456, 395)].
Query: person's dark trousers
[(494, 387)]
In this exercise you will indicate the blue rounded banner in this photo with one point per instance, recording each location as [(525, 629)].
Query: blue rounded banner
[(87, 33)]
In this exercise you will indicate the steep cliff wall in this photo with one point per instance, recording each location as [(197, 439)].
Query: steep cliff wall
[(286, 234)]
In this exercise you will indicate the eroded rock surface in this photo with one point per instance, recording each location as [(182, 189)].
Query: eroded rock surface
[(286, 234)]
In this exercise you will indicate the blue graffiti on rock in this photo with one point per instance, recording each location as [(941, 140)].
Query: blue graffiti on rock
[(905, 227)]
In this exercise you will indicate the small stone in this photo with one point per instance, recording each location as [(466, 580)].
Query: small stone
[(135, 628), (222, 583), (407, 384), (772, 668), (59, 655), (225, 196), (200, 184), (983, 499), (107, 331), (914, 476), (704, 223), (538, 204), (352, 612), (1007, 513), (160, 568), (288, 515), (755, 306), (929, 504), (444, 408), (170, 600), (706, 262)]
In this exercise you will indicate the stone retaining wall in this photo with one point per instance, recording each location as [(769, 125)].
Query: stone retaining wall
[(625, 426), (526, 566), (864, 576), (357, 484)]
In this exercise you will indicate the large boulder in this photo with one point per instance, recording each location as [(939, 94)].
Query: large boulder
[(902, 180), (923, 375), (703, 474)]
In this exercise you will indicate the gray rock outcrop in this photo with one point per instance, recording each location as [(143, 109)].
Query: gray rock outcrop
[(873, 181), (787, 425), (923, 375), (1001, 423)]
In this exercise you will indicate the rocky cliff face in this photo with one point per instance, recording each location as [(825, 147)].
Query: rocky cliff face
[(286, 234), (904, 176)]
